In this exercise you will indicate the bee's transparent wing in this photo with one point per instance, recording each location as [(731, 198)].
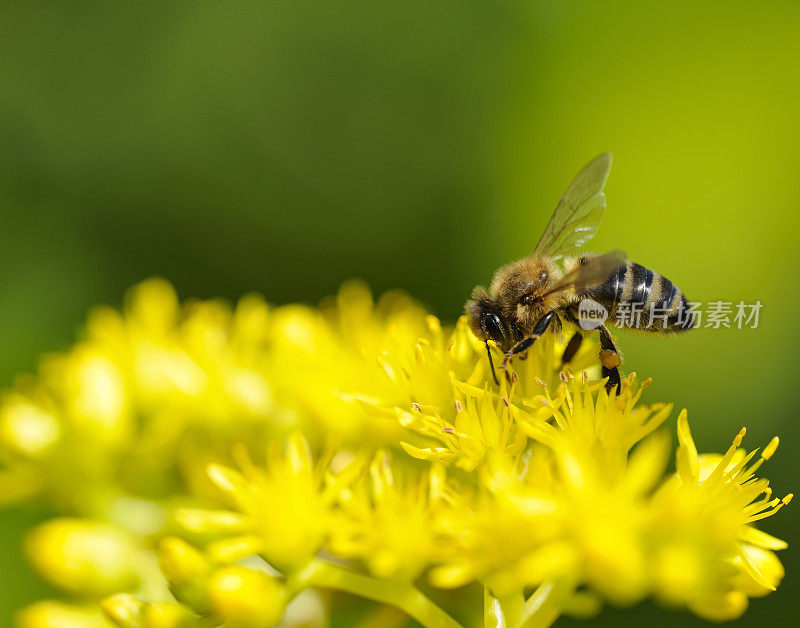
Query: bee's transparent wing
[(596, 270), (579, 212)]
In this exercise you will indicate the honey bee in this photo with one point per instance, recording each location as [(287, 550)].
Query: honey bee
[(531, 295)]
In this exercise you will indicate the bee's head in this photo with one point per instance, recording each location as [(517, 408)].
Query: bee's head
[(486, 319)]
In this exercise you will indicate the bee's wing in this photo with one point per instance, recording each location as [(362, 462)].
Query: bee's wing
[(596, 270), (579, 212)]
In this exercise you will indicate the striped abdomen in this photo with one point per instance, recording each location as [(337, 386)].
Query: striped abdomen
[(639, 298)]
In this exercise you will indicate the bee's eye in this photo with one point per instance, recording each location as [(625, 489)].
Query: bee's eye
[(583, 261), (493, 326), (528, 299), (543, 277)]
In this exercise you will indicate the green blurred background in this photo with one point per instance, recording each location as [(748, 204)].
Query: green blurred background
[(286, 146)]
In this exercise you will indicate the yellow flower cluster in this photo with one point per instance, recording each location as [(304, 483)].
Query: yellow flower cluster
[(225, 466)]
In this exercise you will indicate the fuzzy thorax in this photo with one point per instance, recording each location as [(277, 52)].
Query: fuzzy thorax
[(515, 297)]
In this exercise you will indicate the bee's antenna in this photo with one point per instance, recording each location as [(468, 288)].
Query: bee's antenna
[(491, 363)]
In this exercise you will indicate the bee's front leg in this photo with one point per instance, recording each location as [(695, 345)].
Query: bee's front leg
[(524, 345), (491, 363)]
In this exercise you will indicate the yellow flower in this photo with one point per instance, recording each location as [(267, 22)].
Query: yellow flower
[(186, 569), (283, 512), (710, 556), (483, 422), (127, 611), (53, 614), (468, 414), (245, 598), (572, 507), (92, 387), (143, 393), (387, 519), (353, 350), (26, 429), (593, 431), (361, 447), (84, 557)]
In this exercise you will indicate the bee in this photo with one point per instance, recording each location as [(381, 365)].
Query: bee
[(536, 293)]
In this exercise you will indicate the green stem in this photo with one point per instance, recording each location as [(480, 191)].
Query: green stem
[(492, 613), (402, 595), (501, 612), (543, 607)]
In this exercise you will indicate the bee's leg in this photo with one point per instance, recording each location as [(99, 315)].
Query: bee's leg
[(572, 348), (524, 345), (555, 327), (491, 363), (609, 358)]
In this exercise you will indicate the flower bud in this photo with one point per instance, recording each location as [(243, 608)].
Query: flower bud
[(26, 429), (721, 607), (168, 615), (52, 614), (124, 610), (128, 612), (245, 597), (83, 557), (201, 522), (764, 565), (186, 569), (180, 562), (153, 305), (97, 396)]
